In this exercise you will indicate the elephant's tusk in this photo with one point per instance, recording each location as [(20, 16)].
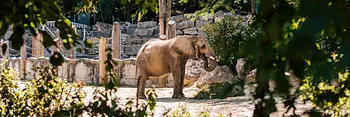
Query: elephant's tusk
[(211, 57)]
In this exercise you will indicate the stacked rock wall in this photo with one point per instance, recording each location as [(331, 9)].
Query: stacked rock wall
[(133, 36)]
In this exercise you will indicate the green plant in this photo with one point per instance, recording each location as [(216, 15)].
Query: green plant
[(309, 38), (182, 111), (45, 95), (227, 36), (8, 91), (48, 95)]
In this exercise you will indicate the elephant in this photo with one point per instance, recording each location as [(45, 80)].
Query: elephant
[(158, 58)]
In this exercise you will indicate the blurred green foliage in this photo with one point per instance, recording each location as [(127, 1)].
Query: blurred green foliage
[(311, 39)]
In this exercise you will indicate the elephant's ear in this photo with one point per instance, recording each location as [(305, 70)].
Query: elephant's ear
[(183, 46)]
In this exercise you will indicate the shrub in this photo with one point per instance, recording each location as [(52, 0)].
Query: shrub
[(47, 95), (227, 36)]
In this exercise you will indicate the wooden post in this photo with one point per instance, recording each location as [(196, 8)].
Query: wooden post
[(168, 15), (37, 47), (102, 59), (116, 41), (72, 49), (161, 17), (40, 46), (253, 7), (34, 45), (23, 61), (171, 29)]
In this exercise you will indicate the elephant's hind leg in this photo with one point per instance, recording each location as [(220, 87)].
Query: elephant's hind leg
[(141, 86)]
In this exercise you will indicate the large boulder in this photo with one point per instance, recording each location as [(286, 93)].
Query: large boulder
[(219, 83), (194, 69), (220, 74)]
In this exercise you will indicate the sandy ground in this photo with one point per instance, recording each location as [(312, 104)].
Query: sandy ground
[(240, 106)]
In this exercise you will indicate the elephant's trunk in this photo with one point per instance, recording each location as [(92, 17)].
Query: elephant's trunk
[(212, 63)]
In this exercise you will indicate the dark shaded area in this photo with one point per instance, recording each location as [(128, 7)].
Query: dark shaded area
[(222, 90)]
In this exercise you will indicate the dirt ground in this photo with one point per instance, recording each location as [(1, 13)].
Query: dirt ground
[(240, 106)]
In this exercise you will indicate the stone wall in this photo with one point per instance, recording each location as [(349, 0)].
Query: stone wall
[(133, 36), (85, 70)]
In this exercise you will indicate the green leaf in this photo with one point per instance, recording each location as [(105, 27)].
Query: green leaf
[(48, 41), (88, 43), (79, 50)]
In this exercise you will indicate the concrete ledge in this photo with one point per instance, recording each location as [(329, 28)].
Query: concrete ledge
[(86, 70)]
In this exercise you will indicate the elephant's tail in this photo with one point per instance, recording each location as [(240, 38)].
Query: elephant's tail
[(137, 92)]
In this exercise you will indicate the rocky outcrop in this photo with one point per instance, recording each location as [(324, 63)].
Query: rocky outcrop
[(220, 74), (193, 71)]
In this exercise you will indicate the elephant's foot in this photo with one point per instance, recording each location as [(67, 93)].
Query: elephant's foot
[(141, 96), (182, 94), (178, 95)]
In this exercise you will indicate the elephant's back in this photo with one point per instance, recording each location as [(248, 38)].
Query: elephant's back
[(152, 55)]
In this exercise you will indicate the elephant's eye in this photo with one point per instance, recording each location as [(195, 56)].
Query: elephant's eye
[(203, 46)]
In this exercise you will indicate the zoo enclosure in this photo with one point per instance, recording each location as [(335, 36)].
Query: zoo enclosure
[(37, 50)]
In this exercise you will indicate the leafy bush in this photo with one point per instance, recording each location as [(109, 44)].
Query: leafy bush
[(227, 36), (47, 95)]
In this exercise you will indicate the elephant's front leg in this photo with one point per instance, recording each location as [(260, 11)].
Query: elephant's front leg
[(182, 78), (177, 81)]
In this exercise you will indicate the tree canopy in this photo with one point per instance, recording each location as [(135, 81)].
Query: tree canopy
[(311, 39)]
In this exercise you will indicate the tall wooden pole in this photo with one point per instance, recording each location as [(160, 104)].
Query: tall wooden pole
[(161, 17), (37, 47), (168, 15), (23, 60), (116, 41), (34, 45), (102, 59), (253, 7), (72, 49)]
